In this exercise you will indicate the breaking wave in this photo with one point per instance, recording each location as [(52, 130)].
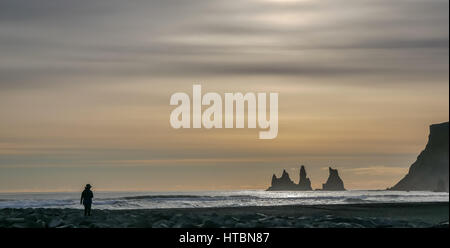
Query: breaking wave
[(154, 200)]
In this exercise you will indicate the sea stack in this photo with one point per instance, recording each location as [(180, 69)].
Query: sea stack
[(282, 183), (334, 182), (285, 182), (304, 183), (430, 171)]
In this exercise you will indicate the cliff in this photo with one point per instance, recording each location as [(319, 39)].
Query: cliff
[(334, 182), (285, 182), (430, 171)]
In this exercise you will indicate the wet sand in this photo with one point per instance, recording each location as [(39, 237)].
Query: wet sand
[(379, 215)]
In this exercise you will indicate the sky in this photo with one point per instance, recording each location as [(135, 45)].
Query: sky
[(85, 89)]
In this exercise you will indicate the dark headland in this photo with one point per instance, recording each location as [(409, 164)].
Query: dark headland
[(430, 171)]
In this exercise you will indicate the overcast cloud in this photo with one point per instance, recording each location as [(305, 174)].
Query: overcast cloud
[(41, 40)]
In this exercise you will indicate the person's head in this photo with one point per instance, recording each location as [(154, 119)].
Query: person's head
[(88, 186)]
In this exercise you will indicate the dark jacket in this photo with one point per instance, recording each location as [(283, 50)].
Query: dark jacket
[(86, 197)]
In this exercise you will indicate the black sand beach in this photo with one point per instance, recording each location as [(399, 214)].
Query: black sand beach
[(379, 215)]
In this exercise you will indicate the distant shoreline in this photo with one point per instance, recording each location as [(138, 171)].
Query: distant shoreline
[(365, 215)]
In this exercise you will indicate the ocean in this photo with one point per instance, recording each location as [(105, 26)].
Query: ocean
[(157, 200)]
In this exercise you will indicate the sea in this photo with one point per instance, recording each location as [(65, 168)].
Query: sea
[(206, 199)]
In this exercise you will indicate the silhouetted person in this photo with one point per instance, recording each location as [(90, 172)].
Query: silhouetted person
[(86, 199)]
